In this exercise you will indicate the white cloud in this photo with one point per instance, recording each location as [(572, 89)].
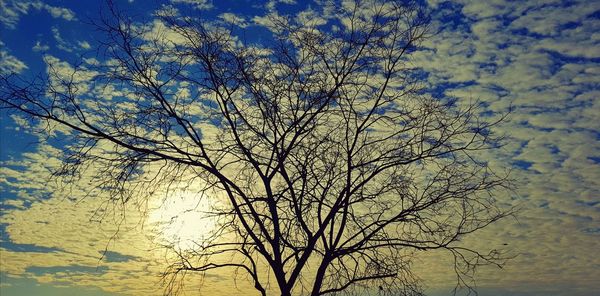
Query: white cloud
[(84, 44), (40, 47), (61, 70), (310, 18), (60, 12), (11, 11), (197, 4), (10, 64), (234, 19), (549, 79), (60, 42)]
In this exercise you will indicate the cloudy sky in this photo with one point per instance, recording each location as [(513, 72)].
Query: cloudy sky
[(540, 57)]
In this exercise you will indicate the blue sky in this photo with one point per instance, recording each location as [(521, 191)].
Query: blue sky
[(540, 58)]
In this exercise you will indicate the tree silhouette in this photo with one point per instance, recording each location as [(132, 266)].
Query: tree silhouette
[(335, 164)]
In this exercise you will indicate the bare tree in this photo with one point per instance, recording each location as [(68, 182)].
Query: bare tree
[(335, 164)]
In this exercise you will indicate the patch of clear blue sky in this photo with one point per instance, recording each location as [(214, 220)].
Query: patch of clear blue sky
[(7, 244), (110, 256)]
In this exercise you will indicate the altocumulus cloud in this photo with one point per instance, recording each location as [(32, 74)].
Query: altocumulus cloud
[(60, 240), (543, 59), (540, 58), (12, 10)]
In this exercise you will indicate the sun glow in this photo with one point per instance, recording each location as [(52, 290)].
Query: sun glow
[(182, 218)]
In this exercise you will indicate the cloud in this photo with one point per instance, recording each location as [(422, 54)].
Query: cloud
[(12, 10), (58, 239), (269, 20), (539, 58), (61, 43), (542, 60), (10, 64), (40, 47), (234, 19), (84, 44), (60, 12), (197, 4)]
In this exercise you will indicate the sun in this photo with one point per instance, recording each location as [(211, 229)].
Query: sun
[(182, 218)]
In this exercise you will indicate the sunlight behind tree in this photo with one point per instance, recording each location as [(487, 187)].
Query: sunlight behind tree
[(183, 219)]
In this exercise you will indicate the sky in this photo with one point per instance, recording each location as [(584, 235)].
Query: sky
[(541, 59)]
